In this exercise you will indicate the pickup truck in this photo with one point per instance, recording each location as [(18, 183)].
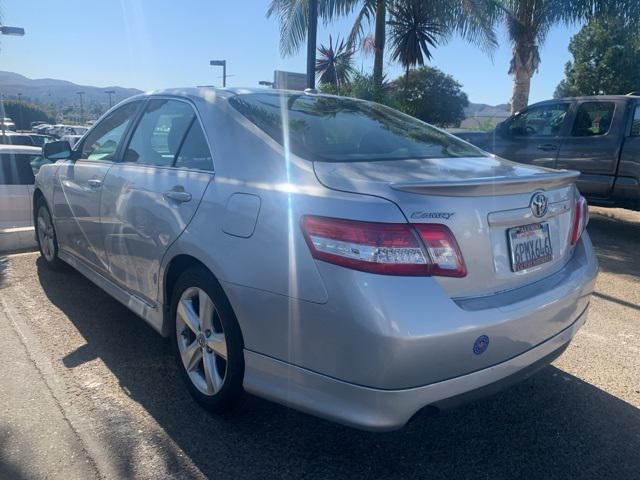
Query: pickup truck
[(599, 136)]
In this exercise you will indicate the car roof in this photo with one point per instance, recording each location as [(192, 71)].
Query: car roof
[(17, 149), (210, 93), (600, 98)]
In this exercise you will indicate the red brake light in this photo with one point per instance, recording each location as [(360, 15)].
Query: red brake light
[(383, 248), (580, 219)]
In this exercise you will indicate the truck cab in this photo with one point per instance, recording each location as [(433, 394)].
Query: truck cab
[(598, 136)]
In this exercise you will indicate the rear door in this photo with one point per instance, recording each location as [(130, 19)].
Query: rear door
[(76, 198), (150, 197), (532, 136), (592, 145)]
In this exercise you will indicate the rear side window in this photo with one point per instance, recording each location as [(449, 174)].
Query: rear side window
[(635, 126), (194, 153), (333, 129), (539, 121), (160, 132), (17, 169), (102, 143), (593, 118)]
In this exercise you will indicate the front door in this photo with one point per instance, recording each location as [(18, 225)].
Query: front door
[(76, 198), (593, 145), (532, 136), (150, 197)]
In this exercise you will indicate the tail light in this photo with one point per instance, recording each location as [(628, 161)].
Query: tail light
[(384, 248), (580, 219)]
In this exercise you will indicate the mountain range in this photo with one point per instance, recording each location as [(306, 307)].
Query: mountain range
[(49, 90)]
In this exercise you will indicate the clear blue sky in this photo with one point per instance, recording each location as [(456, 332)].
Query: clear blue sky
[(151, 44)]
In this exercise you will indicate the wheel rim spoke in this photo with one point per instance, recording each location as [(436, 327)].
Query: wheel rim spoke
[(212, 377), (218, 344), (191, 356), (187, 314), (206, 310)]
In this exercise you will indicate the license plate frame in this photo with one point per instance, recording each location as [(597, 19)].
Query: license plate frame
[(529, 246)]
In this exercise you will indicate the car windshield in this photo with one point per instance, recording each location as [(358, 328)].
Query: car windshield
[(334, 129)]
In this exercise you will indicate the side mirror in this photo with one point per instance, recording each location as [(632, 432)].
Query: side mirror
[(59, 150)]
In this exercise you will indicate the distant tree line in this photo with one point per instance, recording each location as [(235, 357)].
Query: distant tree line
[(23, 113)]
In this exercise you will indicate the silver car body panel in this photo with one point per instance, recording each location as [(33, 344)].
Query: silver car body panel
[(364, 349)]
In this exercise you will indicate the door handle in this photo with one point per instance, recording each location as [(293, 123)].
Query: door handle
[(179, 196), (547, 147), (94, 182)]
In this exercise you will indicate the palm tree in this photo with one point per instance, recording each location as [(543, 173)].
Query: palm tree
[(528, 23), (413, 32), (415, 21), (299, 18), (334, 65)]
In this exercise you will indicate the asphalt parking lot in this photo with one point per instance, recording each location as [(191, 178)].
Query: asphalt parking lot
[(125, 413)]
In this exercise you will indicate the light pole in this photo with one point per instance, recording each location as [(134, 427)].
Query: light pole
[(223, 64), (110, 92), (20, 105), (16, 32), (80, 94)]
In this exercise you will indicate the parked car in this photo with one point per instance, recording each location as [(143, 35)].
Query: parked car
[(328, 253), (72, 139), (13, 138), (598, 136), (18, 165), (39, 139), (7, 124)]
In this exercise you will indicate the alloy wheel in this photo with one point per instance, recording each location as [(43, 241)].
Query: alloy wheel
[(46, 235), (201, 341)]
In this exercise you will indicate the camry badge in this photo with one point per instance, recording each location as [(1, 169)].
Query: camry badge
[(539, 205)]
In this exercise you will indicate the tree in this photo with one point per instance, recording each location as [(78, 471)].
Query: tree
[(23, 113), (413, 31), (299, 18), (529, 21), (606, 60), (334, 65), (430, 95), (472, 19)]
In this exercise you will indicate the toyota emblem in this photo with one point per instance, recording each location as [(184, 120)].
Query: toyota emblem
[(539, 205)]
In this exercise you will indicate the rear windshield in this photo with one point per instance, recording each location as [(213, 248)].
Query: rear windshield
[(19, 168), (333, 129)]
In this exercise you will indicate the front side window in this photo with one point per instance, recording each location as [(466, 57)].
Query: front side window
[(330, 129), (635, 126), (102, 143), (540, 121), (593, 118), (160, 132), (19, 169)]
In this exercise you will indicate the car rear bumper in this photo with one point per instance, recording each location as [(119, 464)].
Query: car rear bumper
[(383, 410)]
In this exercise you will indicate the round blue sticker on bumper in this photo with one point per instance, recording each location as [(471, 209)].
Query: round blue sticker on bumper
[(481, 344)]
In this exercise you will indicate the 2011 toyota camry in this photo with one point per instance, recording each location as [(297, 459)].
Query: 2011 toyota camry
[(327, 253)]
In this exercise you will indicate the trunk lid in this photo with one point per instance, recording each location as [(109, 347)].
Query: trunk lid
[(480, 199)]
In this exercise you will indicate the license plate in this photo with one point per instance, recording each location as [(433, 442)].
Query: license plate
[(530, 245)]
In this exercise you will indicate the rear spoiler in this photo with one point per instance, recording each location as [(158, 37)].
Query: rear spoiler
[(480, 187)]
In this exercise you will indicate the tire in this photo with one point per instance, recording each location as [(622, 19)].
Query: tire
[(209, 349), (46, 236)]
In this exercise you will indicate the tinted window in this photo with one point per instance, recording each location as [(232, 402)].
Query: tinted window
[(16, 169), (194, 152), (160, 132), (345, 130), (541, 121), (16, 140), (635, 126), (102, 143), (593, 118)]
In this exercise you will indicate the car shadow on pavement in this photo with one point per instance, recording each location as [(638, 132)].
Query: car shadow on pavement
[(551, 426), (616, 243)]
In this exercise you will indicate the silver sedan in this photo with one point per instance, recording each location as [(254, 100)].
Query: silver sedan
[(327, 253)]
